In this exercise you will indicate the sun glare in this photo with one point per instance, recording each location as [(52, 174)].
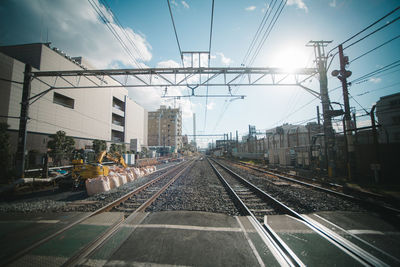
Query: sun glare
[(290, 58)]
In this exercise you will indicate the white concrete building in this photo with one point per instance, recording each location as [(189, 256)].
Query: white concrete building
[(85, 114)]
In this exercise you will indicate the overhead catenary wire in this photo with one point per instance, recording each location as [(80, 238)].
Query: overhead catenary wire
[(209, 57), (268, 31), (98, 10), (259, 30), (176, 34), (259, 46), (141, 57), (179, 46)]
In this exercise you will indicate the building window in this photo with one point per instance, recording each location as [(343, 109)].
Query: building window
[(63, 100)]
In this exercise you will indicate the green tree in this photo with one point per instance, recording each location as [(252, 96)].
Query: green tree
[(99, 145), (4, 152), (121, 149), (62, 147)]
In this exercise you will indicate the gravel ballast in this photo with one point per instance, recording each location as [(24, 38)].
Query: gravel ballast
[(300, 198), (197, 190), (66, 201)]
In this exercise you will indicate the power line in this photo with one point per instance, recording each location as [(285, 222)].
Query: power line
[(268, 31), (378, 89), (375, 48), (211, 27), (371, 25), (259, 30), (209, 55), (363, 30), (358, 103), (179, 47), (380, 70), (380, 28), (173, 24), (124, 31), (98, 10)]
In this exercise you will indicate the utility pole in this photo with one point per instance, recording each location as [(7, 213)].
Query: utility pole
[(318, 117), (342, 75), (320, 58), (194, 131), (21, 147)]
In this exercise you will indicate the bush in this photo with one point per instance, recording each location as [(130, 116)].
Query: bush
[(62, 147), (99, 145)]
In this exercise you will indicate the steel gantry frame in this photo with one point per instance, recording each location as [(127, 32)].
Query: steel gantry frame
[(156, 77), (185, 77)]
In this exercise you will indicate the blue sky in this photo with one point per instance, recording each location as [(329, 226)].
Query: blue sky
[(74, 27)]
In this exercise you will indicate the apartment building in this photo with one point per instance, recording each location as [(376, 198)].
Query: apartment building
[(165, 127)]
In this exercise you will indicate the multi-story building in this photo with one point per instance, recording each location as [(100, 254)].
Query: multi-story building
[(85, 114), (165, 127), (388, 113)]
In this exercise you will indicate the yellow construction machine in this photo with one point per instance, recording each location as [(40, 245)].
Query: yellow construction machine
[(82, 171)]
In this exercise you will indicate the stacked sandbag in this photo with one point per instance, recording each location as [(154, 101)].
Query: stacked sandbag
[(129, 176), (122, 178), (97, 185), (137, 172), (114, 180)]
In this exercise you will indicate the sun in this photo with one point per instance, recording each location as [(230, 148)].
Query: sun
[(291, 58)]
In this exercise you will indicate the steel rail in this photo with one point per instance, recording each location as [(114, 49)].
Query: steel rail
[(69, 226), (366, 203), (98, 242), (286, 254), (356, 252)]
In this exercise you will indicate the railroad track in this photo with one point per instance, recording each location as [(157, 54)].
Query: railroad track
[(130, 204), (246, 205), (369, 201)]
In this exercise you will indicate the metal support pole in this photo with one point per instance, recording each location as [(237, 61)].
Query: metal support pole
[(323, 86), (347, 116), (355, 127), (194, 131), (237, 141), (318, 116), (376, 165), (21, 147)]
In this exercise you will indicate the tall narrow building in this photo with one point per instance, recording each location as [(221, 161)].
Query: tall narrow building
[(165, 128)]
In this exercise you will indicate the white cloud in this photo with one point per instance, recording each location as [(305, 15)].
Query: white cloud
[(250, 8), (168, 64), (333, 3), (74, 27), (299, 3), (224, 60), (185, 4), (375, 80)]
